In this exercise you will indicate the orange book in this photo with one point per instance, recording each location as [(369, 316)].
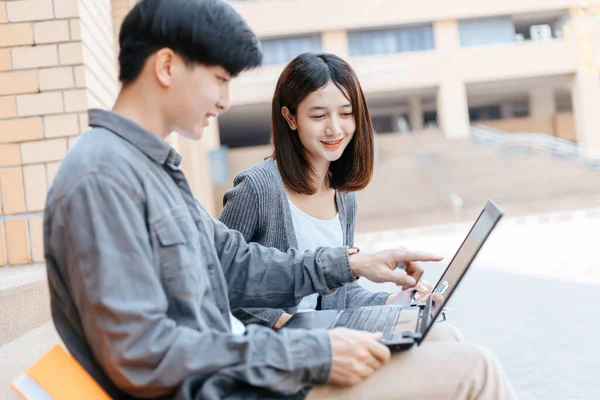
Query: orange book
[(58, 376)]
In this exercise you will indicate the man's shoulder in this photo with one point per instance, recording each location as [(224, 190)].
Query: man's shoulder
[(98, 152), (97, 145)]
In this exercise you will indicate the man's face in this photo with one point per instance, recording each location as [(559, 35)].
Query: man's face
[(197, 94)]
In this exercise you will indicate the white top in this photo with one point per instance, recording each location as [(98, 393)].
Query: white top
[(312, 233), (237, 327)]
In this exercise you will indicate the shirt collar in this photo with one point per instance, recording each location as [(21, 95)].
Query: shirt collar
[(152, 146)]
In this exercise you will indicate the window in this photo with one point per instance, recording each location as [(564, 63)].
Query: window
[(477, 32), (389, 41), (383, 124), (541, 27), (283, 50), (485, 113)]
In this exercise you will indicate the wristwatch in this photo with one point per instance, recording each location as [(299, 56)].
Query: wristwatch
[(351, 252)]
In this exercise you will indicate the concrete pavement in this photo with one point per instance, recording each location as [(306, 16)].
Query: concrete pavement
[(532, 297)]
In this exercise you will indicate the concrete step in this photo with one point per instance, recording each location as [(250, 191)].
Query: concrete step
[(17, 355), (24, 300), (402, 193), (400, 219)]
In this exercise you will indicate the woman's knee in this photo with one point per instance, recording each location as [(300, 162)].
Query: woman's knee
[(445, 332)]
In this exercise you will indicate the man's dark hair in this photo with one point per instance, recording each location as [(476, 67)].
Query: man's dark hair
[(303, 75), (208, 32)]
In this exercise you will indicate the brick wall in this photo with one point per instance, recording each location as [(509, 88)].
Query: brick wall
[(120, 8), (99, 56), (57, 58)]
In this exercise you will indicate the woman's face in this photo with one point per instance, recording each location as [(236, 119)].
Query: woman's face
[(325, 123)]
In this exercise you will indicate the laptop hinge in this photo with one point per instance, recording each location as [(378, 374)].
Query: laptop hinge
[(426, 316)]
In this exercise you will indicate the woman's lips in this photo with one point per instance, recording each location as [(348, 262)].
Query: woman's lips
[(332, 144)]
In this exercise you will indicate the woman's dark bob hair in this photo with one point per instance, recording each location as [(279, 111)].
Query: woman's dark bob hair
[(303, 75)]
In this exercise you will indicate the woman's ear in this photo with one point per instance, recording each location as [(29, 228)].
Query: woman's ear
[(291, 120)]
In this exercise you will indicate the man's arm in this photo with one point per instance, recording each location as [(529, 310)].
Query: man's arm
[(99, 228), (265, 277), (259, 276)]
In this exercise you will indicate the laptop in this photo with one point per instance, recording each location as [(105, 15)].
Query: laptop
[(406, 325)]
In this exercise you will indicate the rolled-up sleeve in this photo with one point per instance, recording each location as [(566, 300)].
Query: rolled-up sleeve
[(110, 272)]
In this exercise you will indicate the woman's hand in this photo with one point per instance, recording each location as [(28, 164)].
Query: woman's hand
[(423, 291), (281, 321)]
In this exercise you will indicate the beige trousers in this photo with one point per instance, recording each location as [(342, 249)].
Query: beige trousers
[(443, 367)]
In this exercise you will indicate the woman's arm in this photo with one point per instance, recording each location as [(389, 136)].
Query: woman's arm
[(240, 212), (240, 207)]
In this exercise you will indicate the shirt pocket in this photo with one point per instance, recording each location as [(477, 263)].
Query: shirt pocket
[(181, 270)]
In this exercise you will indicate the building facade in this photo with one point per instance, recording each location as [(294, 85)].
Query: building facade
[(516, 65)]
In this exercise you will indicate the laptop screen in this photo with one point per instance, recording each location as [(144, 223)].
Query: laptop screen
[(465, 255)]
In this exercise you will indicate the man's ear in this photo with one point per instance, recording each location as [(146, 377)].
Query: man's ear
[(291, 120), (164, 66)]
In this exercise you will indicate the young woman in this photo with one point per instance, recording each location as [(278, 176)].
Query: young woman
[(303, 196)]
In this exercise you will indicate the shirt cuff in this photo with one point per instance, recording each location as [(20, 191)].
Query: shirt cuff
[(314, 357), (336, 267)]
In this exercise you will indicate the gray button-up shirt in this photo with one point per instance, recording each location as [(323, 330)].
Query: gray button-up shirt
[(141, 277)]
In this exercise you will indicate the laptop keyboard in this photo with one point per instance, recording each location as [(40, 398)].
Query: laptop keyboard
[(372, 319)]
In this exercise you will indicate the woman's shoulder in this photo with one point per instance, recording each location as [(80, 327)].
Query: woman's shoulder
[(349, 198), (263, 168), (349, 204), (262, 176)]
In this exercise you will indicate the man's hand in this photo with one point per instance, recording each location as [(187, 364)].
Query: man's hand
[(382, 266), (281, 321), (356, 356)]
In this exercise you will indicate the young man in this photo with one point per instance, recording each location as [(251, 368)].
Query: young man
[(141, 277)]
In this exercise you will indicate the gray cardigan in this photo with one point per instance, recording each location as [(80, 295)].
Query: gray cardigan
[(258, 207)]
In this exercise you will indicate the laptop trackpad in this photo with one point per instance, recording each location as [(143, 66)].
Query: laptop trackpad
[(312, 319), (407, 321)]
